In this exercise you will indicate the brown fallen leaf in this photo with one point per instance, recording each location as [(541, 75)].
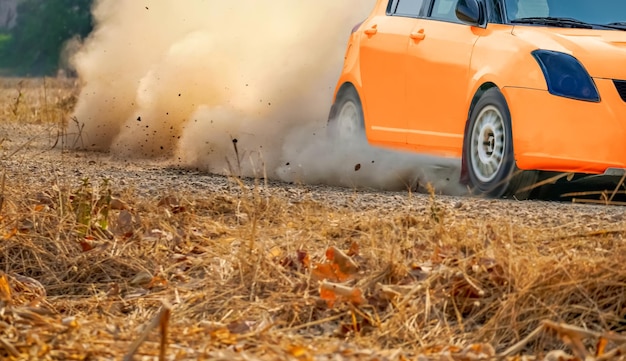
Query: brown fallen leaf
[(394, 292), (571, 336), (5, 289), (141, 278), (39, 207), (559, 355), (339, 267), (10, 234), (124, 224), (118, 204), (301, 262), (304, 258), (223, 336), (156, 281), (478, 351), (601, 346), (240, 327), (333, 292), (354, 249), (86, 244), (168, 201), (300, 352)]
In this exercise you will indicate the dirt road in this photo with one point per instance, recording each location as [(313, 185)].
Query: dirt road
[(33, 157)]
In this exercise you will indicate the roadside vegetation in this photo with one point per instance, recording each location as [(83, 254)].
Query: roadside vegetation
[(35, 46), (97, 268)]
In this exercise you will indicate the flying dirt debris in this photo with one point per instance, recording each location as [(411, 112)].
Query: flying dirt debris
[(162, 80)]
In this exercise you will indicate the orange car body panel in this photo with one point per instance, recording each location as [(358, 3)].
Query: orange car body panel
[(417, 78), (447, 49)]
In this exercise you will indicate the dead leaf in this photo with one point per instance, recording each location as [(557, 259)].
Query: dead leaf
[(124, 223), (421, 271), (275, 253), (478, 351), (70, 322), (601, 346), (142, 278), (240, 327), (339, 267), (156, 281), (304, 259), (300, 352), (11, 234), (559, 355), (571, 336), (86, 244), (169, 201), (5, 289), (118, 204), (345, 263), (333, 292), (394, 292), (26, 225), (114, 290), (223, 336), (354, 249)]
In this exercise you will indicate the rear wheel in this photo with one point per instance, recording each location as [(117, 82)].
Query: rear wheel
[(488, 151), (346, 119)]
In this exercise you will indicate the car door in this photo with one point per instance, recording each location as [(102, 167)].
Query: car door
[(383, 64), (437, 80)]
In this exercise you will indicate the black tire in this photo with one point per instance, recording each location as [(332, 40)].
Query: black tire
[(488, 151), (345, 122)]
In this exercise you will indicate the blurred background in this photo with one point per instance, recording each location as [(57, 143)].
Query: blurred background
[(36, 35)]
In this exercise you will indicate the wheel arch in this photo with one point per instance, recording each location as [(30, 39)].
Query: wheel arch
[(345, 86), (477, 94)]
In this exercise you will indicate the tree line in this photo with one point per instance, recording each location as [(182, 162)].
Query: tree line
[(34, 46)]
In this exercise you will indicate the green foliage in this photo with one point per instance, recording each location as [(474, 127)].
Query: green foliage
[(5, 38), (43, 27), (91, 207)]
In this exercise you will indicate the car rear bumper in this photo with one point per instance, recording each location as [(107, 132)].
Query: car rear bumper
[(558, 134)]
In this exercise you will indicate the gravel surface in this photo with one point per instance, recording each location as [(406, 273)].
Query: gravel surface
[(32, 158)]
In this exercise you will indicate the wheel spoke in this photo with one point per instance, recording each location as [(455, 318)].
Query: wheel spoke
[(348, 120), (493, 165), (488, 144)]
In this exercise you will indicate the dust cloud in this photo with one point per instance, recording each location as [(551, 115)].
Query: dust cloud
[(232, 88)]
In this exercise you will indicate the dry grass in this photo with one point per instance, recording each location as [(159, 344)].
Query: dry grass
[(40, 100), (96, 270)]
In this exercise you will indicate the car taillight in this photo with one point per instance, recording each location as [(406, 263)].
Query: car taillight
[(356, 27)]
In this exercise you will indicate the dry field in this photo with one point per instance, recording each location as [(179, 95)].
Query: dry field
[(107, 259)]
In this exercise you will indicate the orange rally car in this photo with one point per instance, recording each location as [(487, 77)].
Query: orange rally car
[(512, 87)]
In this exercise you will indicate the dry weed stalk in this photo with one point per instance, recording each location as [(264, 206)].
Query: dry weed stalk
[(2, 187), (18, 99), (161, 321)]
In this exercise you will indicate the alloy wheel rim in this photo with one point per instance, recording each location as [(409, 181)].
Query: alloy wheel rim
[(348, 120), (488, 144)]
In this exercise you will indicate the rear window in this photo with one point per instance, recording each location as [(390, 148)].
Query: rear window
[(412, 8)]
